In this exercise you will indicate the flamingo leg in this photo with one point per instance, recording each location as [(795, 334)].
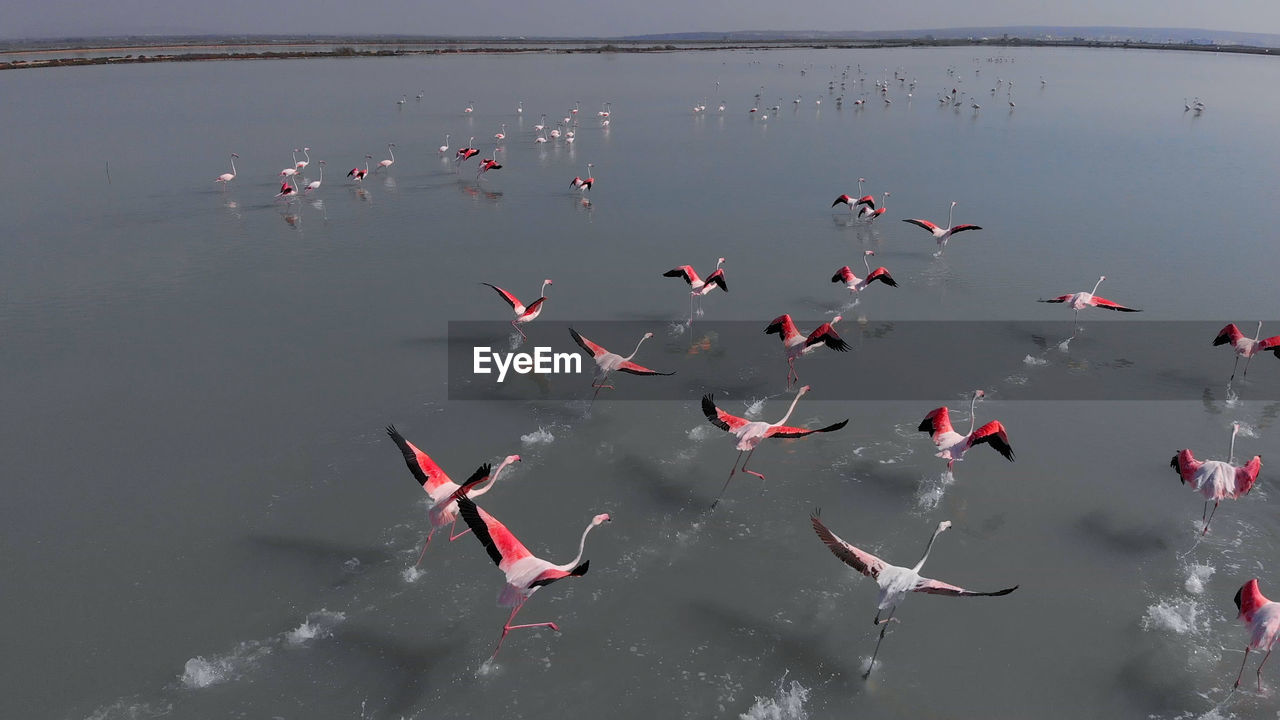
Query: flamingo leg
[(1206, 525), (1234, 368), (1264, 662), (455, 537), (424, 547), (726, 482), (508, 627), (1204, 514), (517, 327), (750, 472), (1246, 659), (883, 627), (1246, 365)]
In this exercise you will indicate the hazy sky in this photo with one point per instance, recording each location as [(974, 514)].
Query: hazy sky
[(45, 18)]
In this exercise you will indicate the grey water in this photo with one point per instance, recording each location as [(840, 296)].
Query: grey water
[(203, 516)]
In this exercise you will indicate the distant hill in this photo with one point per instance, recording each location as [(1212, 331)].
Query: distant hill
[(1031, 32)]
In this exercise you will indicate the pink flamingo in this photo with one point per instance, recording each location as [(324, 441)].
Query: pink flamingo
[(583, 184), (467, 152), (849, 200), (487, 164), (1263, 618), (441, 489), (1246, 347), (358, 173), (798, 345), (697, 286), (523, 314), (856, 284), (1081, 300), (525, 571), (607, 362), (749, 433), (384, 164), (868, 210), (225, 178), (315, 184), (952, 445), (302, 164), (942, 235), (287, 190), (1215, 479), (894, 581)]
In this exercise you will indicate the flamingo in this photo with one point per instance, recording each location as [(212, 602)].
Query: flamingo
[(441, 489), (1243, 346), (1215, 479), (942, 235), (1263, 618), (523, 314), (952, 445), (697, 286), (315, 184), (225, 178), (540, 139), (582, 184), (556, 132), (384, 164), (467, 152), (502, 133), (868, 210), (445, 147), (607, 362), (525, 571), (798, 345), (856, 285), (470, 107), (604, 111), (894, 581), (487, 164), (519, 107), (287, 190), (749, 434), (402, 100), (302, 164), (1081, 300), (359, 173), (289, 172), (542, 124)]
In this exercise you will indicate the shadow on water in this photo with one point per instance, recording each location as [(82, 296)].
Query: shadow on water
[(1102, 530), (408, 668), (671, 494), (322, 556)]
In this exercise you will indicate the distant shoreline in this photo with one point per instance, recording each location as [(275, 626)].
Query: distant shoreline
[(171, 52)]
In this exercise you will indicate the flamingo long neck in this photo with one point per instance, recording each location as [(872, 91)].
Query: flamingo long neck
[(927, 548), (949, 214), (633, 352), (322, 173), (973, 415), (543, 291), (392, 153), (307, 153), (866, 263), (1095, 286), (582, 546), (1231, 456), (233, 172), (492, 479), (789, 410), (1255, 336)]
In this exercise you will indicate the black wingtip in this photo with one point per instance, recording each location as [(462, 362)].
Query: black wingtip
[(1239, 594), (1005, 591), (581, 569)]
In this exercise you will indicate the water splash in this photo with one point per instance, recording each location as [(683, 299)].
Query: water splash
[(787, 704), (411, 575), (201, 672), (932, 490), (1034, 361), (319, 624), (701, 432), (1197, 576), (1180, 616), (541, 436)]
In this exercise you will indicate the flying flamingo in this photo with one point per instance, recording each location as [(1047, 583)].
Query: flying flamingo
[(1215, 479), (697, 286), (952, 445), (384, 164), (857, 285), (523, 314), (853, 202), (1081, 300), (1263, 618), (1244, 347), (467, 152), (302, 164), (441, 489), (583, 184), (894, 581), (607, 362), (798, 345), (749, 434), (867, 209), (287, 190), (525, 571), (445, 147), (225, 178), (942, 235), (487, 164), (315, 184), (470, 107), (359, 173)]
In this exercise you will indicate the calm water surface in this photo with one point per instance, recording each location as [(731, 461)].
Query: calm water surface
[(204, 518)]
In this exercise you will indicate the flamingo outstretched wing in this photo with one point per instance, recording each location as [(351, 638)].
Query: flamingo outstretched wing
[(533, 306), (1108, 305), (1248, 475), (844, 275), (993, 434), (720, 418), (962, 228), (922, 223), (787, 431), (784, 328), (1059, 299), (503, 547), (937, 587), (634, 369), (1229, 334), (883, 276), (827, 335), (480, 475), (860, 560), (424, 469), (1186, 464), (595, 350), (512, 300), (843, 199), (684, 271), (937, 422), (866, 200), (717, 278)]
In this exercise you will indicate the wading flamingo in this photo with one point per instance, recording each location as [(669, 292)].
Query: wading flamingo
[(487, 164), (868, 211), (445, 147), (952, 445), (384, 164), (1215, 479), (287, 190), (1263, 618), (441, 489), (942, 235), (523, 314), (894, 581), (315, 184), (1081, 300), (225, 178), (1245, 347), (525, 571), (302, 164), (749, 433), (583, 184), (856, 284), (697, 286), (360, 173), (798, 345)]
